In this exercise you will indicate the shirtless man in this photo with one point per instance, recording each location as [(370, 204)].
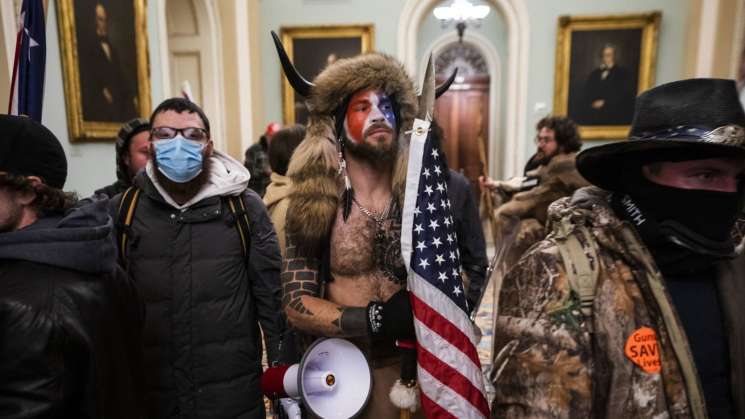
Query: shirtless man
[(371, 147), (343, 275)]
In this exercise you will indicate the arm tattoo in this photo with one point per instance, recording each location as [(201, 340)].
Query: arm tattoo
[(306, 309), (299, 277)]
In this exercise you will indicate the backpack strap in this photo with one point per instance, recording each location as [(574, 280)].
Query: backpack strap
[(125, 215), (238, 209), (582, 273)]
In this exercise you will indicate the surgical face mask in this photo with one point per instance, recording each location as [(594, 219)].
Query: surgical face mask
[(179, 159)]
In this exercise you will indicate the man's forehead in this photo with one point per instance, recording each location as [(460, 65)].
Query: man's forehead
[(171, 117), (368, 94), (546, 132), (734, 163)]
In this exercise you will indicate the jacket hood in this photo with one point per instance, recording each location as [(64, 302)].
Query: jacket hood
[(314, 165), (279, 189), (589, 205), (82, 239), (227, 177)]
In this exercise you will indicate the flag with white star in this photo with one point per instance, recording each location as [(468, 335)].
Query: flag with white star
[(449, 370), (27, 86)]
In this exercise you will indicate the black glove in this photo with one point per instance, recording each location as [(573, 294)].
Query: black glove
[(393, 318)]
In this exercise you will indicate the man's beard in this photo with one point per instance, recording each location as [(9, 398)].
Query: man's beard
[(542, 159), (183, 192), (13, 219), (374, 153)]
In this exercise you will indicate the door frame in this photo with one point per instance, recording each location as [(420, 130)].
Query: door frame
[(495, 154)]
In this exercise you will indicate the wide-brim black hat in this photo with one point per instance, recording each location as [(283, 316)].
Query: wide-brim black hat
[(683, 120)]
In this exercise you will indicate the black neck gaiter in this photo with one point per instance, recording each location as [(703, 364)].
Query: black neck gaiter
[(709, 214), (685, 229)]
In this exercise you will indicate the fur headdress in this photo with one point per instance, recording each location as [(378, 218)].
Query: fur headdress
[(314, 167)]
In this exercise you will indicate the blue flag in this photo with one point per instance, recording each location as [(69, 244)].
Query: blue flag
[(27, 92)]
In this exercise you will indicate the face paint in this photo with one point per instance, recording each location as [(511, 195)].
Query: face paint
[(369, 112)]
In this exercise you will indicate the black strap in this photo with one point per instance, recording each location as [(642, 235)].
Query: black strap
[(125, 215), (126, 211), (238, 209)]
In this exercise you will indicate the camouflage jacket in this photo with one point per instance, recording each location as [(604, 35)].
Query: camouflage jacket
[(553, 361)]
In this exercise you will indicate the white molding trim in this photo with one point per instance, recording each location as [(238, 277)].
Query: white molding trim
[(707, 37), (214, 58), (518, 36), (738, 44), (493, 63), (165, 64), (10, 32), (243, 48)]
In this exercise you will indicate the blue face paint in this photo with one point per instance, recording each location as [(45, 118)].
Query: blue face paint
[(385, 104), (179, 159)]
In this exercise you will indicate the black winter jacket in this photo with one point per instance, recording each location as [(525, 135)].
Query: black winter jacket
[(471, 243), (204, 304), (70, 322)]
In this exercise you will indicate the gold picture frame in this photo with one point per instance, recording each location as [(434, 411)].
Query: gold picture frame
[(597, 89), (113, 84), (321, 43)]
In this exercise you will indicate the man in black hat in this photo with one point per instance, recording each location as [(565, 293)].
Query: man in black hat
[(633, 305), (132, 154), (70, 322)]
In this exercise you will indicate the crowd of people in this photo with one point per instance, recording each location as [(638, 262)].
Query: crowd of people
[(157, 296)]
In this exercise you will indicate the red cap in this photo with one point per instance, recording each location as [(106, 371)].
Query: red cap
[(272, 129), (272, 382)]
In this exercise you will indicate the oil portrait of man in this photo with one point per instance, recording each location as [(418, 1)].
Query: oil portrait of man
[(604, 84), (107, 59)]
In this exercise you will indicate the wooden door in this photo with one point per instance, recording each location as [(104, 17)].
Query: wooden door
[(463, 114)]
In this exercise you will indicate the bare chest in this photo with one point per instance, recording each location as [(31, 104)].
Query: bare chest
[(363, 258)]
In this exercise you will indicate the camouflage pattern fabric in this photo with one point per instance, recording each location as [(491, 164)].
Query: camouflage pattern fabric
[(553, 362)]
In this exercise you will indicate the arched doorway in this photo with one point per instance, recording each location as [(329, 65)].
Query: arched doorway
[(463, 112), (193, 55), (514, 154)]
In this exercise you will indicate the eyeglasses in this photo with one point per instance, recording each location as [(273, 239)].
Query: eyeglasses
[(190, 133), (544, 140)]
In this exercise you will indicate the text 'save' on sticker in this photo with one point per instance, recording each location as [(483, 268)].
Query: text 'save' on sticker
[(643, 350)]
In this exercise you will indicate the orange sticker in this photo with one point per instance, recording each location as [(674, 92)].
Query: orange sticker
[(643, 350)]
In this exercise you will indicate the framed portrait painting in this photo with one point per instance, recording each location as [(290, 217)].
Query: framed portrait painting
[(602, 64), (104, 65), (311, 49)]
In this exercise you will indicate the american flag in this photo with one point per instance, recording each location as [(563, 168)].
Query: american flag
[(448, 366), (27, 86)]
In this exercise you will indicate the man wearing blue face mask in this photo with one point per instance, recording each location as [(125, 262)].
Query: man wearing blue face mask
[(204, 255)]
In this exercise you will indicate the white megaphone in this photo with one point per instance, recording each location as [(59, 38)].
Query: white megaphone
[(333, 380)]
